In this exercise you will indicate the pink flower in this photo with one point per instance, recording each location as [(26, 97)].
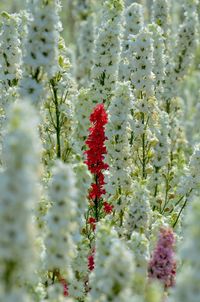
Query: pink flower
[(162, 265), (91, 261)]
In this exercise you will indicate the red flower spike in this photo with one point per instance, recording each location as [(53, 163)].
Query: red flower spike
[(95, 155)]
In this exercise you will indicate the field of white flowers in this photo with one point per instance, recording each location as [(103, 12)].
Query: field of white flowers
[(100, 151)]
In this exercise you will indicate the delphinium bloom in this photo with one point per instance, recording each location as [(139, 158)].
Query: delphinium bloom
[(162, 265), (189, 185), (10, 56), (188, 277), (157, 184), (20, 191), (159, 59), (161, 15), (58, 109), (180, 56), (78, 284), (133, 23), (112, 276), (85, 50), (83, 181), (40, 55), (137, 217), (118, 179), (139, 245), (191, 180), (82, 111), (107, 52), (145, 107), (186, 40), (61, 224), (95, 159)]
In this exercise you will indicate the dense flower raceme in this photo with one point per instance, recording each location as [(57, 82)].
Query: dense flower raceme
[(118, 180), (40, 56), (133, 23), (162, 265), (112, 276), (144, 172), (188, 278), (61, 223), (107, 52), (95, 157), (19, 184), (10, 53)]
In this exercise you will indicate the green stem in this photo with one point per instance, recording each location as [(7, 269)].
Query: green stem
[(96, 202), (121, 215), (179, 214), (143, 152), (58, 127), (166, 195)]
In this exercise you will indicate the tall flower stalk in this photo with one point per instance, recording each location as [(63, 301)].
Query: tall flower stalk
[(95, 159), (162, 265)]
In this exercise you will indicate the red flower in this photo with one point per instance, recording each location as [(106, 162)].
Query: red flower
[(99, 115), (95, 155), (91, 260), (107, 207), (65, 287), (92, 222)]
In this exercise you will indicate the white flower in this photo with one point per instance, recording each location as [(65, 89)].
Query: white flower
[(114, 267), (188, 277), (32, 89), (117, 130), (139, 212), (19, 194), (140, 56), (61, 223), (107, 52)]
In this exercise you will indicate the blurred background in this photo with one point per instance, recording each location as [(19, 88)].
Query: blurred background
[(14, 6)]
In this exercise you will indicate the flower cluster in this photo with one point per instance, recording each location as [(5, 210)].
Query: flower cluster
[(133, 23), (83, 181), (10, 52), (138, 213), (118, 157), (85, 50), (107, 52), (19, 195), (140, 245), (61, 223), (187, 287), (116, 89), (112, 276), (141, 60), (77, 287), (95, 155), (162, 265), (186, 41), (161, 15), (82, 110), (191, 180), (159, 58), (40, 56)]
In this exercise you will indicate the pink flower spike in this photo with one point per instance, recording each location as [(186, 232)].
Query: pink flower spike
[(162, 265)]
